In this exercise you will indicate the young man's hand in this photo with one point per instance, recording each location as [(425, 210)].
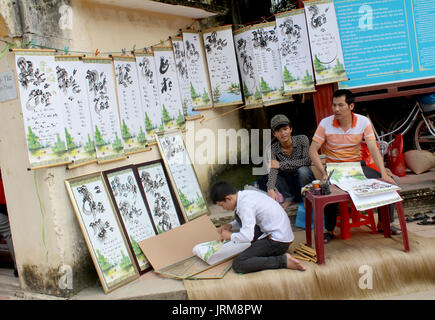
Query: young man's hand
[(274, 164), (225, 235), (224, 227), (386, 177)]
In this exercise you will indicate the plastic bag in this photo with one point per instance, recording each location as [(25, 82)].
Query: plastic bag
[(367, 157), (395, 158)]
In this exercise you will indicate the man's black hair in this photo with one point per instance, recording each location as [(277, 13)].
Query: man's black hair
[(350, 98), (220, 190)]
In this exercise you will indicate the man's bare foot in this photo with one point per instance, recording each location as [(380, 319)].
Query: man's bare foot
[(293, 263), (286, 204)]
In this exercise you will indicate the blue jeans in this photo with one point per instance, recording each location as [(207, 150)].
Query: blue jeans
[(289, 184)]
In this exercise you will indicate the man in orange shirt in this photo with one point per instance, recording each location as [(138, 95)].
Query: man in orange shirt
[(342, 134)]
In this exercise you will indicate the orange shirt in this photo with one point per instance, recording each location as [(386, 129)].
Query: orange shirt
[(344, 146)]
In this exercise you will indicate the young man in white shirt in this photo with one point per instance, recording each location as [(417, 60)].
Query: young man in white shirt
[(269, 247)]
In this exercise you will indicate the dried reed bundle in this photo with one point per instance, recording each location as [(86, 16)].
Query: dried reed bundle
[(394, 272)]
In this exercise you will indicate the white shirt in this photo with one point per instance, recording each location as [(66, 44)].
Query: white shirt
[(254, 207)]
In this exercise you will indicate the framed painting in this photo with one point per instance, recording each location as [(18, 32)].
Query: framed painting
[(132, 210), (162, 201), (182, 174), (101, 229)]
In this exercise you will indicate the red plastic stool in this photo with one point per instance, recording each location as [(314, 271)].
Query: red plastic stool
[(358, 219)]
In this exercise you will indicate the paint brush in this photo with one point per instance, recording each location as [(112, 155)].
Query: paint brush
[(330, 175)]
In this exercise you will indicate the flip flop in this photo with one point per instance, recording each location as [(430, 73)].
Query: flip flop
[(394, 231), (418, 216), (426, 222)]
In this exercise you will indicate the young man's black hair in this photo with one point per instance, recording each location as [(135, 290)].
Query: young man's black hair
[(220, 190), (350, 98)]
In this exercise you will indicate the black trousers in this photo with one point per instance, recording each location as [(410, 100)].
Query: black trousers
[(331, 210), (261, 255)]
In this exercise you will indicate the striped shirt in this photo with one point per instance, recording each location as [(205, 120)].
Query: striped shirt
[(344, 146), (289, 162)]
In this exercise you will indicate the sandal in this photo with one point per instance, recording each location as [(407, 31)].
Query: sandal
[(394, 231), (426, 221), (327, 237)]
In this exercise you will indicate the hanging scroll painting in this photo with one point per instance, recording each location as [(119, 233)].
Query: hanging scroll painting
[(130, 105), (169, 89), (103, 106), (222, 66), (183, 79), (266, 51), (182, 175), (160, 199), (326, 51), (42, 114), (197, 69), (132, 210), (248, 69), (150, 98), (101, 229), (297, 69), (73, 96)]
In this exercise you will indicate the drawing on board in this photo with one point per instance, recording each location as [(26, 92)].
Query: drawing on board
[(161, 201), (132, 210), (107, 245), (182, 175)]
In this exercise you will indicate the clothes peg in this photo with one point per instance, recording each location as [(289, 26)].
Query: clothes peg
[(123, 50), (97, 52), (66, 49)]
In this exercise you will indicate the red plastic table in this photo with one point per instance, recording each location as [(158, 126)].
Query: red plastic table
[(317, 203)]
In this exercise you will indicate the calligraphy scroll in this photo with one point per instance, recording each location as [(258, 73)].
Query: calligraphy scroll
[(266, 51), (104, 108), (100, 227), (132, 210), (197, 69), (326, 51), (222, 66), (73, 97), (169, 89), (150, 98), (182, 174), (183, 79), (297, 69), (130, 105), (42, 113), (248, 69)]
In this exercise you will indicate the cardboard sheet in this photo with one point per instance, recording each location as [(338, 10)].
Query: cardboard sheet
[(177, 244)]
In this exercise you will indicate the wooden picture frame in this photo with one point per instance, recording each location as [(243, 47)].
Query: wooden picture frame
[(161, 199), (101, 229), (132, 210), (182, 174)]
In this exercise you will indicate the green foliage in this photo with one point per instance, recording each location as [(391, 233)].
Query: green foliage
[(184, 104), (162, 126), (59, 145), (148, 124), (99, 137), (216, 94), (165, 115), (257, 95), (308, 79), (287, 75), (141, 137), (338, 68), (117, 143), (125, 262), (180, 119), (90, 146), (136, 248), (69, 140), (318, 66), (264, 86), (193, 93), (125, 131), (246, 92), (205, 97), (200, 201), (235, 88), (102, 261), (32, 140), (184, 199)]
